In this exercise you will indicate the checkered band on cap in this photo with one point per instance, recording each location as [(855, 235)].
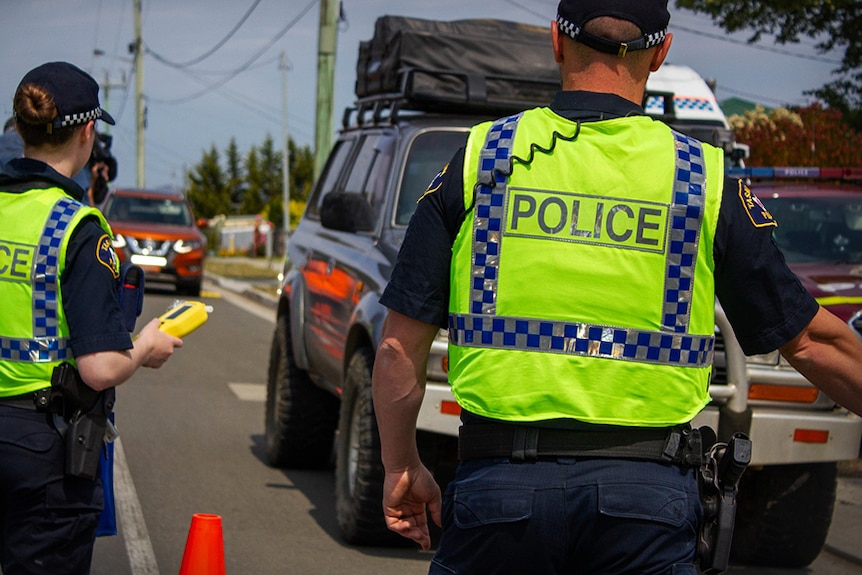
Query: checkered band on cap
[(76, 119), (482, 327), (576, 33), (570, 29), (46, 343)]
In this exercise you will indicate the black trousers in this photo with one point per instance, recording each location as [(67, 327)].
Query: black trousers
[(47, 520)]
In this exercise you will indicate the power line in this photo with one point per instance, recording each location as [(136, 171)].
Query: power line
[(246, 65), (781, 51), (212, 50)]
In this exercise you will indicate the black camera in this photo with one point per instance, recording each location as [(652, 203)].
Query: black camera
[(102, 155)]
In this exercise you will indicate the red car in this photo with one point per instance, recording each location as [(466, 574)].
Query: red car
[(820, 232), (157, 231)]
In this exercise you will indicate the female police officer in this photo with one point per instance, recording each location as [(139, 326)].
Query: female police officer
[(578, 340), (58, 284)]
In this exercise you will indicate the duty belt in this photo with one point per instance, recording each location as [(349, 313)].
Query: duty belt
[(35, 400), (679, 445)]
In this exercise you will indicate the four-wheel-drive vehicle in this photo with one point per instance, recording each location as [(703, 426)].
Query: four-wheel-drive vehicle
[(401, 132)]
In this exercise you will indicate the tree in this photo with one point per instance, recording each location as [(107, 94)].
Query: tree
[(811, 136), (834, 23), (251, 184), (272, 181), (235, 176), (254, 200), (208, 192)]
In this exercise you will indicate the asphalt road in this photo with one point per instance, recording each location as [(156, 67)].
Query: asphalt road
[(191, 439), (191, 442)]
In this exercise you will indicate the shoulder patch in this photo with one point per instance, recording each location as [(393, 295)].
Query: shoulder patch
[(757, 212), (435, 183), (107, 256)]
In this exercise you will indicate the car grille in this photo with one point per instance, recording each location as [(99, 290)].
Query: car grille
[(149, 247)]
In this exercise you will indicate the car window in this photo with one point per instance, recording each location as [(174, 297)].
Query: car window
[(368, 173), (330, 176), (148, 211), (429, 153), (818, 229)]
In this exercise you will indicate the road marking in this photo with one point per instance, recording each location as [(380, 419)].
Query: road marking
[(249, 391), (142, 557)]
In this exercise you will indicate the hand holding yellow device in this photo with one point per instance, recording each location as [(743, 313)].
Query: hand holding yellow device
[(184, 317)]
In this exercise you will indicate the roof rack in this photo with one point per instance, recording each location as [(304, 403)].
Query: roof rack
[(453, 92)]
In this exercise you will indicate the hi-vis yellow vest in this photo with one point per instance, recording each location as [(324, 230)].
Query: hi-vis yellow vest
[(34, 335), (582, 277)]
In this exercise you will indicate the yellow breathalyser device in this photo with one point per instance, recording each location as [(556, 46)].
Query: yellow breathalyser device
[(184, 317)]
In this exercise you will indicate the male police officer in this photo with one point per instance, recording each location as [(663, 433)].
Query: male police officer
[(58, 283), (580, 315)]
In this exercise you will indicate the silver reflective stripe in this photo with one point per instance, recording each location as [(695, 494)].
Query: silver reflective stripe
[(672, 345), (46, 345)]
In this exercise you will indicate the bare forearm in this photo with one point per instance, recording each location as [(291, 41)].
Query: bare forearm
[(829, 355), (399, 387), (398, 394), (105, 369)]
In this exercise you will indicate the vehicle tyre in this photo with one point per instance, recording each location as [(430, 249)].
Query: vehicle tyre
[(358, 467), (300, 417), (783, 514)]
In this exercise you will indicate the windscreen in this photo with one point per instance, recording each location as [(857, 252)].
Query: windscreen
[(818, 229), (148, 211), (429, 153)]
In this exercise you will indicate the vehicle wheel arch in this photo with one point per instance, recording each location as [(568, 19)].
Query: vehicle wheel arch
[(291, 305), (366, 327)]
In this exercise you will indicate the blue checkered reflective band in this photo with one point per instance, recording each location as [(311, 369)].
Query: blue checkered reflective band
[(655, 104), (686, 218), (46, 345), (580, 339), (481, 327)]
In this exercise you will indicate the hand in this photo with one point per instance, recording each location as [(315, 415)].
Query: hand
[(405, 496), (159, 345)]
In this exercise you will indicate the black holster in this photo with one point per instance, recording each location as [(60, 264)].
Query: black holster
[(86, 411), (718, 483)]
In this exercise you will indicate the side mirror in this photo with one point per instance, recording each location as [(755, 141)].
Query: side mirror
[(346, 213), (203, 223)]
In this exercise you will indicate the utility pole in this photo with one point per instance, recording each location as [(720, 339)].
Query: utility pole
[(329, 10), (106, 86), (285, 154), (140, 116)]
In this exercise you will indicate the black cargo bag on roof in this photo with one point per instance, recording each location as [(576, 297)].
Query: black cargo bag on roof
[(480, 64)]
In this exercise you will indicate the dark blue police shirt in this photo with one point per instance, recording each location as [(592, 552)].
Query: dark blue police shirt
[(764, 301), (88, 286)]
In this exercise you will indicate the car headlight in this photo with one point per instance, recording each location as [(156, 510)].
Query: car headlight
[(185, 246), (119, 242)]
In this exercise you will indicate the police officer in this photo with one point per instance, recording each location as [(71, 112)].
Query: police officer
[(58, 284), (574, 253)]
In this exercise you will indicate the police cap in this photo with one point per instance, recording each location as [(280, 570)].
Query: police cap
[(651, 16), (75, 93)]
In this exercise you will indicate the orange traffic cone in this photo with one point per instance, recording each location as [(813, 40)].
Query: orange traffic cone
[(204, 554)]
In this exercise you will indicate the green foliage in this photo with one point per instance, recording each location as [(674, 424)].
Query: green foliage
[(252, 184), (207, 190), (833, 23)]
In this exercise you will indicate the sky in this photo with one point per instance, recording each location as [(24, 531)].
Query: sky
[(231, 86)]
